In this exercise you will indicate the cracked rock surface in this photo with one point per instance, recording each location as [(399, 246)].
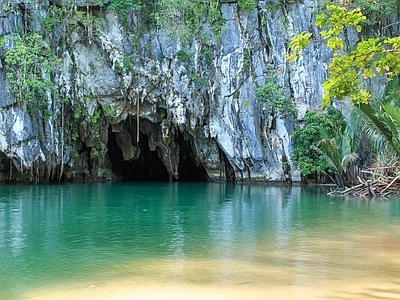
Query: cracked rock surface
[(138, 112)]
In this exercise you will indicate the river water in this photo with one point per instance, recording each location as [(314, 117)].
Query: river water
[(195, 241)]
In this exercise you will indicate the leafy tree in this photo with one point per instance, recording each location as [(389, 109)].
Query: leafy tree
[(349, 68), (379, 118), (377, 11), (378, 14)]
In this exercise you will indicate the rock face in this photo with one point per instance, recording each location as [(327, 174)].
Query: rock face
[(159, 108)]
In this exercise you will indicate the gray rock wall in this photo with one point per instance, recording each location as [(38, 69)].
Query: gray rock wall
[(124, 107)]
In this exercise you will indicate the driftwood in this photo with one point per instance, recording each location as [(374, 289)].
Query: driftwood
[(381, 181)]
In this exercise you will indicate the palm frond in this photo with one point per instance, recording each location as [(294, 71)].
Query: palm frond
[(325, 149), (392, 115), (349, 159), (378, 126)]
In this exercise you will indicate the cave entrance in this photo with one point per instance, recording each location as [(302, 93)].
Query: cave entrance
[(147, 167), (189, 168)]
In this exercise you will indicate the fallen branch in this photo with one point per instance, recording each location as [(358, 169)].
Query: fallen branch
[(381, 186), (393, 181)]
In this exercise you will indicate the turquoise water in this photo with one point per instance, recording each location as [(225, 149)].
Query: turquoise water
[(97, 241)]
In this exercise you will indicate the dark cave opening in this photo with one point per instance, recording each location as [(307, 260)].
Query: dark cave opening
[(189, 169), (147, 167)]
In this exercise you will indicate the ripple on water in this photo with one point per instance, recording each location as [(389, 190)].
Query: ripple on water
[(232, 242)]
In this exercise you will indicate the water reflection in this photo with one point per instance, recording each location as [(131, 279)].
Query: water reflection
[(262, 238), (178, 235)]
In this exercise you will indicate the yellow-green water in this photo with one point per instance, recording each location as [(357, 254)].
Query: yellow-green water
[(195, 241)]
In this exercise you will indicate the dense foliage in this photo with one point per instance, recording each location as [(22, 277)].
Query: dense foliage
[(349, 70), (308, 150), (380, 121), (30, 64), (124, 6), (378, 15), (184, 19), (247, 5)]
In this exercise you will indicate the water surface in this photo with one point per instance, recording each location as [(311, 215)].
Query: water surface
[(195, 241)]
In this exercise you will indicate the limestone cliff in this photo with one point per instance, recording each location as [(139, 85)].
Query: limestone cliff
[(158, 108)]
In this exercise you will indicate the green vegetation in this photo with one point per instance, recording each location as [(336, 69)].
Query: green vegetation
[(349, 68), (378, 118), (370, 57), (127, 63), (124, 7), (380, 121), (377, 13), (247, 5), (207, 56), (184, 19), (272, 96), (320, 137), (183, 56), (198, 81), (110, 111), (95, 117), (30, 64)]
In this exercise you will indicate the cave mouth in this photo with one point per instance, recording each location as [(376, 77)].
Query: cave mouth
[(149, 166), (189, 168)]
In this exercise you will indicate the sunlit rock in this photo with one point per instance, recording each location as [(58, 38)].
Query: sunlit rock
[(143, 105)]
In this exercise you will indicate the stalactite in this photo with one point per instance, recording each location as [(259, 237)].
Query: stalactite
[(207, 117)]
